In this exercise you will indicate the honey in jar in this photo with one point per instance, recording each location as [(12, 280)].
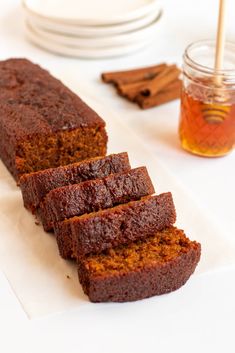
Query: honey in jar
[(207, 118)]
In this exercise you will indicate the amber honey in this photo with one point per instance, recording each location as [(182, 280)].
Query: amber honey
[(206, 129), (207, 117)]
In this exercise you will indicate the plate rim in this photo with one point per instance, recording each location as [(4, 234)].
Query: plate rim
[(110, 41), (93, 31), (131, 16), (85, 53)]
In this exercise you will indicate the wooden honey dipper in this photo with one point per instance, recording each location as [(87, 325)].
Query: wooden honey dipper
[(217, 112)]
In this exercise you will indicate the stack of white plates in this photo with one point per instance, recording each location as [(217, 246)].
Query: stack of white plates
[(91, 28)]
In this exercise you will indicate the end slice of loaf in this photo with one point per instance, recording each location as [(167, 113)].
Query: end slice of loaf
[(156, 265)]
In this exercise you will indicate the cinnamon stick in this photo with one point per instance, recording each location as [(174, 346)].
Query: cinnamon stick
[(131, 76), (170, 93), (149, 87), (131, 90), (157, 84)]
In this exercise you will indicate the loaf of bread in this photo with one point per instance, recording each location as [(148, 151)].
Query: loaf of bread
[(34, 186), (156, 265), (42, 123), (94, 195), (98, 231), (102, 211)]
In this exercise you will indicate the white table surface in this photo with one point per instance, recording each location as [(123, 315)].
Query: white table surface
[(204, 325)]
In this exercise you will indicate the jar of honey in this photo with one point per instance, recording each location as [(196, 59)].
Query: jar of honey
[(207, 118)]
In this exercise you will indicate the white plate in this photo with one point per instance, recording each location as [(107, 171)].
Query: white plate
[(91, 31), (90, 12), (140, 35), (80, 52)]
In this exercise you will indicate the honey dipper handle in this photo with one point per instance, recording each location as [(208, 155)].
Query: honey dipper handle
[(220, 41)]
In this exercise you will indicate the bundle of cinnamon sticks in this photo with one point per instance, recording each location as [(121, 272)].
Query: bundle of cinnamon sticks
[(149, 86)]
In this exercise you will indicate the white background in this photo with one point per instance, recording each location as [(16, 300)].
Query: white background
[(205, 324)]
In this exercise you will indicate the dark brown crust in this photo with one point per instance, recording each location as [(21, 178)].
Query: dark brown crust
[(121, 224), (141, 283), (64, 239), (35, 186), (33, 104), (94, 195)]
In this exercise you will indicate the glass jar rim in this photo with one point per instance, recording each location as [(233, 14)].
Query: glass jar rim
[(203, 68)]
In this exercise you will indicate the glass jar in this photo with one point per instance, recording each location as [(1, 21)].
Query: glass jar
[(207, 118)]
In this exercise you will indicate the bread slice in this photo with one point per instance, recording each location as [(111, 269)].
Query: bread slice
[(156, 265), (94, 195), (35, 186), (122, 224)]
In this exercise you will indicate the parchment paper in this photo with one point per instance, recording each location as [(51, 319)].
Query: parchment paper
[(43, 282)]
